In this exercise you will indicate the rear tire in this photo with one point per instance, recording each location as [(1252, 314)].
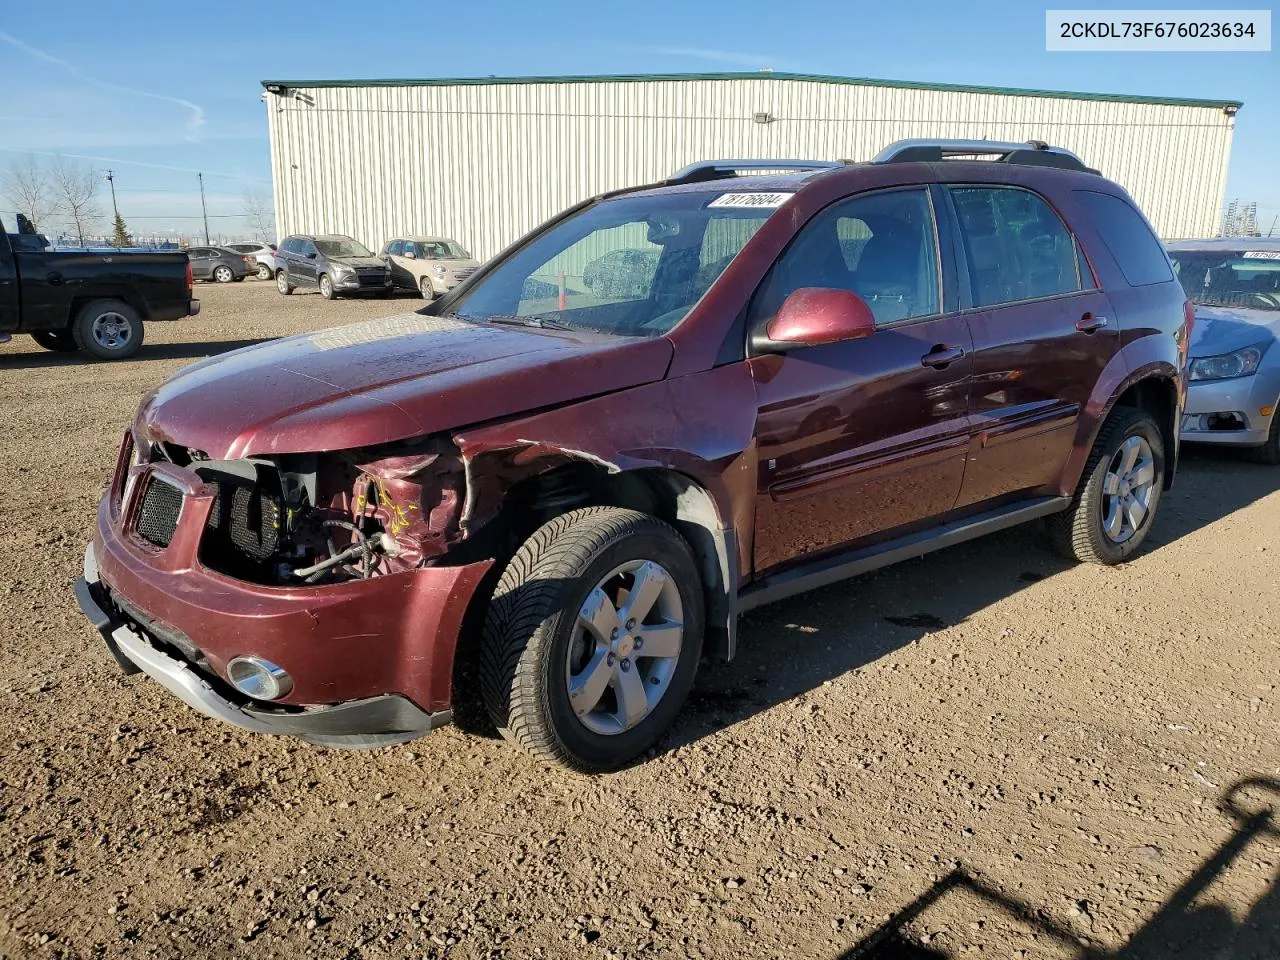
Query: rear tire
[(547, 632), (59, 341), (223, 274), (1269, 452), (282, 283), (264, 272), (1115, 502), (108, 330)]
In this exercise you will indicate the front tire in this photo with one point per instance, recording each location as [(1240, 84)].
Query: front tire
[(59, 341), (326, 287), (282, 283), (426, 289), (592, 638), (223, 274), (1116, 500), (108, 330)]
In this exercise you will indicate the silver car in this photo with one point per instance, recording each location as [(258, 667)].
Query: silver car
[(1234, 367), (430, 265)]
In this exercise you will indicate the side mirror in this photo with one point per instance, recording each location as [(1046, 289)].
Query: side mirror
[(812, 316), (411, 255), (312, 255)]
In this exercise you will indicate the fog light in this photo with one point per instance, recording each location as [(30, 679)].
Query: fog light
[(258, 678)]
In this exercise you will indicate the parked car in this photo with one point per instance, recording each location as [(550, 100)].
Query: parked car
[(562, 503), (430, 265), (1234, 371), (263, 254), (621, 274), (95, 301), (335, 265), (218, 264)]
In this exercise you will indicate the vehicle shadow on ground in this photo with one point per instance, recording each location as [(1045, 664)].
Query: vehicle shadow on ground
[(158, 351), (1184, 925), (795, 645)]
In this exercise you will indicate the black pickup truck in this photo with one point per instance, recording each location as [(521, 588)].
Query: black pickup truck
[(93, 301)]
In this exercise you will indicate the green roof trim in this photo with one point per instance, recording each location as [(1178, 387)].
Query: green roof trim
[(760, 75)]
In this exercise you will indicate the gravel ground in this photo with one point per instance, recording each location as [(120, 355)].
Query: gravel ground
[(1065, 735)]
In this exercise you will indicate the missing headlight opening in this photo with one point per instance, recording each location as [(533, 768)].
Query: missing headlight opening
[(324, 518)]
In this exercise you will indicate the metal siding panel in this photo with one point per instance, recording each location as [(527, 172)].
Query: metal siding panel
[(486, 163)]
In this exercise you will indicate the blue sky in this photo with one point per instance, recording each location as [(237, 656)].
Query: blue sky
[(157, 90)]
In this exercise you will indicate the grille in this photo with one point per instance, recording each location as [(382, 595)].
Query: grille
[(462, 274), (245, 519), (158, 514), (373, 278)]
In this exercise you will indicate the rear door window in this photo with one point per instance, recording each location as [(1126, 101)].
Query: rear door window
[(1135, 248), (1016, 247)]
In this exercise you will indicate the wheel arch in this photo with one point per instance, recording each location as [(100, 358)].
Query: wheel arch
[(125, 295), (1156, 394), (569, 482)]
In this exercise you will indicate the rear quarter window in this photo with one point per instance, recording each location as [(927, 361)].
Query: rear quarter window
[(1135, 248)]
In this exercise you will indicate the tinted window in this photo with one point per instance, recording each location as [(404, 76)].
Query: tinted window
[(1016, 247), (292, 245), (1136, 250), (395, 248), (880, 246)]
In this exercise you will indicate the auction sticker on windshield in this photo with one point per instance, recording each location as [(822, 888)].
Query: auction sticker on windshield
[(1261, 255), (766, 200)]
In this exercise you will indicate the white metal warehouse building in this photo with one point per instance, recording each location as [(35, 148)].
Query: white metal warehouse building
[(486, 160)]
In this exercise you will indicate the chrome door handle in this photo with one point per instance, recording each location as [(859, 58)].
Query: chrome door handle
[(941, 356), (54, 278), (1090, 323)]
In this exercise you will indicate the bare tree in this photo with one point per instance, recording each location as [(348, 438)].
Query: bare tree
[(29, 190), (260, 217), (76, 187)]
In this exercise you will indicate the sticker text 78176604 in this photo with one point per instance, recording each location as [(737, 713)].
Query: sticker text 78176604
[(759, 200)]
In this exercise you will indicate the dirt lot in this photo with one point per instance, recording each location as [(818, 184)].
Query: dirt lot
[(1065, 735)]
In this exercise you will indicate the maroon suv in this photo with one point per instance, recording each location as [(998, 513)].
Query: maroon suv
[(667, 406)]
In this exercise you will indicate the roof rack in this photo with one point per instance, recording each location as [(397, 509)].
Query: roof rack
[(725, 169), (1035, 153)]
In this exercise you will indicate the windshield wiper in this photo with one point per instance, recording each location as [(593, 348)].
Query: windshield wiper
[(547, 323)]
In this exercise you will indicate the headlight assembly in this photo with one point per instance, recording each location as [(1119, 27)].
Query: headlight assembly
[(1240, 363)]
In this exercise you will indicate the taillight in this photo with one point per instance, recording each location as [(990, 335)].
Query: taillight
[(189, 277)]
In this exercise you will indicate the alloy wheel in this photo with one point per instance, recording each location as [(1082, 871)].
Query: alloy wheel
[(111, 330), (1127, 489), (624, 648)]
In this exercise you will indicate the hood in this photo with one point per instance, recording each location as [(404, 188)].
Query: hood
[(1220, 330), (385, 380), (360, 262)]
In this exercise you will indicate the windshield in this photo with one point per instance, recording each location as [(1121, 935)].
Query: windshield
[(1249, 279), (342, 248), (634, 266), (439, 250)]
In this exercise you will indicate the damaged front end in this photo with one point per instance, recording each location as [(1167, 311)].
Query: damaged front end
[(298, 519)]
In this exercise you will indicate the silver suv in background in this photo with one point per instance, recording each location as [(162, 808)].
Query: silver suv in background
[(430, 265), (1234, 366), (264, 256)]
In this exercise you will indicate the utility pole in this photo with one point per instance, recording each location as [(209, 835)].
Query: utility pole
[(203, 208), (111, 179)]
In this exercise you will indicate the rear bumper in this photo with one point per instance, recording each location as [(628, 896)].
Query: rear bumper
[(371, 660)]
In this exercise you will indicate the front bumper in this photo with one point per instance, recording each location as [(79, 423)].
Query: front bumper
[(353, 285), (1245, 396), (371, 660)]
